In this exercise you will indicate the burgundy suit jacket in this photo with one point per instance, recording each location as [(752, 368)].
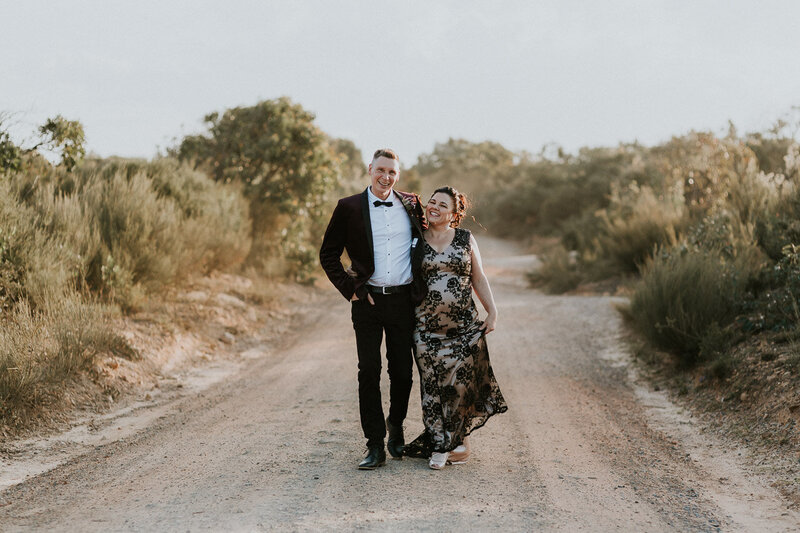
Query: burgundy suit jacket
[(350, 229)]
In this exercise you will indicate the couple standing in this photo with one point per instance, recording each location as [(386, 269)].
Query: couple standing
[(412, 277)]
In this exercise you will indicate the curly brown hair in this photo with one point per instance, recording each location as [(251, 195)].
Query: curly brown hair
[(461, 203)]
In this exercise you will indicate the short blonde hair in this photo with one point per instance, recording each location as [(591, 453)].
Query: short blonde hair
[(385, 152)]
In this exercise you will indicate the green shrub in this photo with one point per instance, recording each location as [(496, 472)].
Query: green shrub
[(558, 272), (780, 225), (722, 365), (109, 231), (775, 293), (633, 225), (68, 224), (215, 230), (217, 235), (128, 227), (682, 297), (140, 233), (32, 264), (581, 233)]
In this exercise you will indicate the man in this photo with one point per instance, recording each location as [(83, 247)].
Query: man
[(381, 229)]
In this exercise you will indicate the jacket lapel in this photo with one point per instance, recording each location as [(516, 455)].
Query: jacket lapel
[(409, 207), (367, 221), (410, 211)]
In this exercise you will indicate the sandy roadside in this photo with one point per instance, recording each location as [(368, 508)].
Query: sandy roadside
[(268, 439)]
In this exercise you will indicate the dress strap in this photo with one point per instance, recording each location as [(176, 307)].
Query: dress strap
[(462, 237)]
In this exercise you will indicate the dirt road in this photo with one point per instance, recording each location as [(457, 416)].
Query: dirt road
[(584, 446)]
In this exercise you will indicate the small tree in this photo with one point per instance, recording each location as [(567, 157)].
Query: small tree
[(57, 134), (353, 175), (10, 154), (66, 136), (285, 165)]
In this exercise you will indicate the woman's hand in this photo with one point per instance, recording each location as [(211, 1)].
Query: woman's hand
[(490, 323)]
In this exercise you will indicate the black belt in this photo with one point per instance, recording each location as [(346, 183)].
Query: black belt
[(397, 289)]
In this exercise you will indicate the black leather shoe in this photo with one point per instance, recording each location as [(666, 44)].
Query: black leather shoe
[(396, 441), (376, 456)]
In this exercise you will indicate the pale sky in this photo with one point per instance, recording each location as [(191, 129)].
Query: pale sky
[(403, 74)]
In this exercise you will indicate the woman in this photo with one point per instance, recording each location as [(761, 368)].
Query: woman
[(458, 388)]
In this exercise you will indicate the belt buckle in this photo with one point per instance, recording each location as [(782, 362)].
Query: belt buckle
[(383, 291)]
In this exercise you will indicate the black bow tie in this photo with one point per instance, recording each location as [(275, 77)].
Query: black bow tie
[(376, 203)]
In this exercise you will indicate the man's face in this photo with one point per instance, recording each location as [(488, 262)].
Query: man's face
[(384, 173)]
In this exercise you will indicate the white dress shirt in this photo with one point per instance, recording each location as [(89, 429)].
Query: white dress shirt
[(391, 241)]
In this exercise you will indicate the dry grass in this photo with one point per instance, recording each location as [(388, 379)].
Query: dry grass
[(76, 247), (41, 350)]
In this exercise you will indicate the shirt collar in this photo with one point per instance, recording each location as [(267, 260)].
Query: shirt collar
[(373, 198)]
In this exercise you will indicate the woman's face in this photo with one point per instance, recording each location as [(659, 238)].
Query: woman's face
[(440, 209)]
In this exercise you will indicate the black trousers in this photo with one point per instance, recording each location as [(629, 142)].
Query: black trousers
[(392, 314)]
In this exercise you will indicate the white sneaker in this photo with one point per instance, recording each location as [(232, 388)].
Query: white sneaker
[(438, 460)]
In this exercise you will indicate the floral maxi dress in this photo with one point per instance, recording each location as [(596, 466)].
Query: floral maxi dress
[(458, 388)]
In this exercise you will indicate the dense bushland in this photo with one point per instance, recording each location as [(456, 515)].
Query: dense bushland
[(76, 246), (84, 240), (708, 225), (125, 228)]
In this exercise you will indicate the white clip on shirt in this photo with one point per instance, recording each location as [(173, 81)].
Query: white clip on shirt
[(391, 241)]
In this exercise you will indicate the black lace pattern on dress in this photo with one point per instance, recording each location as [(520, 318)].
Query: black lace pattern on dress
[(458, 388)]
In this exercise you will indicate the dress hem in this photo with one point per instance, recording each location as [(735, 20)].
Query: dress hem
[(425, 449)]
